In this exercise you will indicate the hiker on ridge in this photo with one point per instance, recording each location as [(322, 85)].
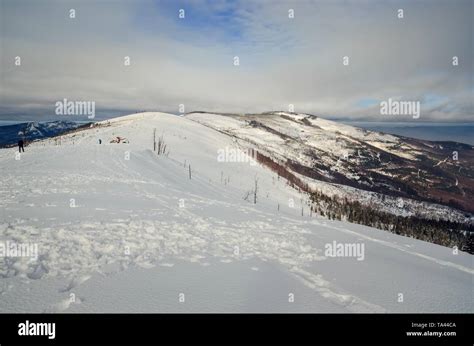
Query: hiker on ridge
[(20, 146)]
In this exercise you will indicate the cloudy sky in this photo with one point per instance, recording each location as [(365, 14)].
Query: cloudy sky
[(283, 60)]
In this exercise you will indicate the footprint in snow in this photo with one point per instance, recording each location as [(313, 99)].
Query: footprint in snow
[(76, 281), (38, 272), (167, 264), (63, 304)]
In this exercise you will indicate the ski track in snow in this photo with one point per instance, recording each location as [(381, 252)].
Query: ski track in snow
[(127, 212), (400, 248)]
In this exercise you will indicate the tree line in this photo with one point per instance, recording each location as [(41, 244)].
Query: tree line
[(442, 232)]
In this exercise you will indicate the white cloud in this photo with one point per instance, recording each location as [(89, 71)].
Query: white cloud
[(283, 60)]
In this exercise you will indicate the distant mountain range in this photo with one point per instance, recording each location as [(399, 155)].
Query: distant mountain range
[(30, 131)]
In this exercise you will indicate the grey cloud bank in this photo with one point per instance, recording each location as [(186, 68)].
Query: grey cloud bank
[(283, 60)]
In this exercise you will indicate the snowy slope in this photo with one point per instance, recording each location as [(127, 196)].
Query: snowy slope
[(119, 228), (362, 165)]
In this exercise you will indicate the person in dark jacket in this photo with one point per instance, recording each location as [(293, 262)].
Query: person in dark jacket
[(20, 146)]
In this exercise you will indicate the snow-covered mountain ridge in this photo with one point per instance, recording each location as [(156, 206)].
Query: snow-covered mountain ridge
[(329, 151), (326, 151), (97, 212)]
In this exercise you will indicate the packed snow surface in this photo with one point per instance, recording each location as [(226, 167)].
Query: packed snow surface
[(119, 228)]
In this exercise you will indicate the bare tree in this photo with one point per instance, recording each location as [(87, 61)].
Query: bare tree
[(255, 191), (247, 195), (162, 147)]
